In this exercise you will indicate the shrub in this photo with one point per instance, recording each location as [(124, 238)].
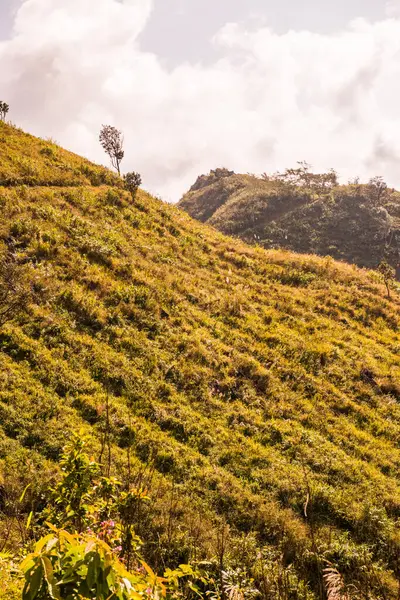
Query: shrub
[(94, 556), (47, 151), (132, 182), (81, 566)]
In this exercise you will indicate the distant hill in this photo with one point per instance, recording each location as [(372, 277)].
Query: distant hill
[(355, 223), (253, 395)]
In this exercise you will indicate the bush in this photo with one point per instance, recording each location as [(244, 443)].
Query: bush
[(47, 151), (94, 556), (132, 182)]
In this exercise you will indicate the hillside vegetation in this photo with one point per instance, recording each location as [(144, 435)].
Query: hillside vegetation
[(254, 395), (355, 223)]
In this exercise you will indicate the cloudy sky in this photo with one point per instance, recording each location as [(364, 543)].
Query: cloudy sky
[(252, 85)]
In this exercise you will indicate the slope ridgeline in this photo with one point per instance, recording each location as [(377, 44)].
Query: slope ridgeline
[(302, 212)]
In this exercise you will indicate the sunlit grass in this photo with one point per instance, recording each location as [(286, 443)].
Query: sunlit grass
[(235, 372)]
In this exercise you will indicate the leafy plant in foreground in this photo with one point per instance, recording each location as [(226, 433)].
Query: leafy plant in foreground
[(73, 567), (84, 501), (99, 556)]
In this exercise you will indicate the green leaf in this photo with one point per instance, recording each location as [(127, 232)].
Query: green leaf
[(111, 580), (93, 570), (195, 589), (186, 569), (49, 576), (91, 575), (28, 563), (41, 543), (34, 583), (24, 492), (28, 522)]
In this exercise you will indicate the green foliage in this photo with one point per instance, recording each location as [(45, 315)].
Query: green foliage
[(73, 567), (73, 497), (132, 182), (84, 500)]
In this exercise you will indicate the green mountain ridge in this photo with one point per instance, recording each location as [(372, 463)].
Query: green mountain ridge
[(246, 388), (346, 222)]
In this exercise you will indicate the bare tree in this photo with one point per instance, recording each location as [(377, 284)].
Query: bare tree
[(112, 141), (4, 108)]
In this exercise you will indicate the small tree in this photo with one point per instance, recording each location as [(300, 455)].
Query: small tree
[(132, 182), (4, 108), (388, 275), (377, 188), (112, 141)]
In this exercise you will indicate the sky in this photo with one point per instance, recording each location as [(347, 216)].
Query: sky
[(251, 85)]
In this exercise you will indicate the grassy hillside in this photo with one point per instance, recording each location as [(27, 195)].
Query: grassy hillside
[(346, 222), (255, 394)]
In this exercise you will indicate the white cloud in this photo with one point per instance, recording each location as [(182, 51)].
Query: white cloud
[(392, 8), (270, 101)]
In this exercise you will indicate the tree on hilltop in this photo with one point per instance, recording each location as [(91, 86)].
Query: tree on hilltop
[(377, 188), (112, 141), (303, 177), (4, 108)]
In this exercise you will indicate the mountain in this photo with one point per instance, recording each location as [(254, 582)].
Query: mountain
[(254, 394), (355, 223)]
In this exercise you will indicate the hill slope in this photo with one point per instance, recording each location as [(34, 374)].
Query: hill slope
[(258, 389), (346, 222)]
